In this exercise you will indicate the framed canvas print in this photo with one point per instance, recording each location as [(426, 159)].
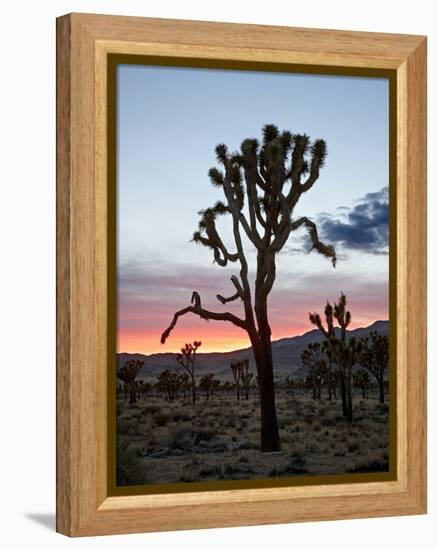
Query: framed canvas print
[(241, 274)]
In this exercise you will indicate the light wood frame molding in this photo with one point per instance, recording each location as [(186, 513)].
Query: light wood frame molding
[(83, 44)]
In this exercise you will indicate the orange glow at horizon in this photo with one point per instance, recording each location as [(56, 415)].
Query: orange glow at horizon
[(214, 338)]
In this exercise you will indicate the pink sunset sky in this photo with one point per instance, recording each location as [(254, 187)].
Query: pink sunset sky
[(169, 121)]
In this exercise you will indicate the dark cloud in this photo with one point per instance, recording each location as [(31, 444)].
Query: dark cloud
[(363, 227)]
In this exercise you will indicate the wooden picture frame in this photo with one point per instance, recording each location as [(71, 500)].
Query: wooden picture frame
[(84, 259)]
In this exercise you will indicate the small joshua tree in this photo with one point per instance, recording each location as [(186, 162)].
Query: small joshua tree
[(226, 386), (331, 376), (216, 384), (206, 384), (262, 184), (290, 385), (169, 382), (246, 378), (375, 358), (128, 373), (237, 369), (362, 380), (347, 354), (330, 336), (313, 358), (338, 350), (184, 383), (187, 359)]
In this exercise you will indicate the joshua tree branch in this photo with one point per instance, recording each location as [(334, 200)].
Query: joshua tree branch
[(204, 314), (239, 292), (325, 250), (214, 241), (229, 299), (236, 212)]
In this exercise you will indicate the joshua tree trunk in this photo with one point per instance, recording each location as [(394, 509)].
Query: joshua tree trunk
[(329, 381), (193, 389), (132, 393), (343, 394), (270, 440), (381, 390), (349, 398)]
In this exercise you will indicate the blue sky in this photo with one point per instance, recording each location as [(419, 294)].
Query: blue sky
[(169, 121)]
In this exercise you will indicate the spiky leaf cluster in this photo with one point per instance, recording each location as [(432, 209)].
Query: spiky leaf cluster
[(267, 178)]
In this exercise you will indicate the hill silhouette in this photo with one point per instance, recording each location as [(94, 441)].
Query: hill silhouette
[(286, 355)]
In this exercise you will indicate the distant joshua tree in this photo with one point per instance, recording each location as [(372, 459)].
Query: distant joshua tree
[(313, 358), (206, 384), (184, 383), (344, 354), (290, 385), (215, 386), (375, 358), (237, 369), (246, 378), (362, 380), (170, 384), (128, 373), (187, 359), (270, 177)]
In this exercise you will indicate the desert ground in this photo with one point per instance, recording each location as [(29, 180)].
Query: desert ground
[(161, 441)]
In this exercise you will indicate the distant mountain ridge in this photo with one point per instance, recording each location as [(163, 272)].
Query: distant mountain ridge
[(286, 355)]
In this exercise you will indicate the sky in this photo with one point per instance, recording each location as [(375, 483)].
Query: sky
[(169, 121)]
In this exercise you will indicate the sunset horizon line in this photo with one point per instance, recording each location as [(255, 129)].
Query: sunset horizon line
[(227, 349)]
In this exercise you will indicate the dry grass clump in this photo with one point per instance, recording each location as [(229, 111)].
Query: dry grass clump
[(161, 418)]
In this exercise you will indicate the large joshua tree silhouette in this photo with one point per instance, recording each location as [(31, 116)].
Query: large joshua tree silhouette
[(262, 183)]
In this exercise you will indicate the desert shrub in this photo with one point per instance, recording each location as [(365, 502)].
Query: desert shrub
[(284, 421), (181, 438), (248, 444), (288, 468), (151, 409), (181, 416), (204, 435), (231, 421), (127, 465), (298, 456), (331, 420), (353, 446), (127, 427), (371, 465), (190, 472), (207, 470), (288, 438), (380, 419), (296, 469), (381, 408), (230, 469), (161, 418)]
